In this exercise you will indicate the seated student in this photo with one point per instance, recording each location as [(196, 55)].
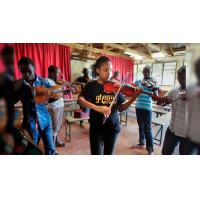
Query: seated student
[(37, 120), (55, 107), (115, 75), (103, 134), (176, 132), (144, 114), (83, 80)]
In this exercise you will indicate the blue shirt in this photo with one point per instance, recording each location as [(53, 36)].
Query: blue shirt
[(31, 109), (144, 101)]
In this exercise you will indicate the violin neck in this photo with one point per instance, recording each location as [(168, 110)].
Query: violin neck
[(59, 91)]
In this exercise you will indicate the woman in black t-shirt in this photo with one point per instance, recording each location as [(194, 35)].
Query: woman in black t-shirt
[(103, 134)]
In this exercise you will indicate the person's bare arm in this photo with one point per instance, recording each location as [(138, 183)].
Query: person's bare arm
[(124, 106)]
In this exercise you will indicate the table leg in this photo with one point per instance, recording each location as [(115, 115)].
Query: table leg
[(70, 131)]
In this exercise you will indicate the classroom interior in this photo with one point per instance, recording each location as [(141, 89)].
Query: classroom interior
[(164, 59)]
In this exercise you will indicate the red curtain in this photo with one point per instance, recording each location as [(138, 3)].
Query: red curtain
[(122, 65), (44, 55)]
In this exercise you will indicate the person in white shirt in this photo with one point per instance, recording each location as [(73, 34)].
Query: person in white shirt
[(55, 107), (176, 132)]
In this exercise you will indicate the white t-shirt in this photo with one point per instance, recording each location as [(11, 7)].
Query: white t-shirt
[(57, 104)]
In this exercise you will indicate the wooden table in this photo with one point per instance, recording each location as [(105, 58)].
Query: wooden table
[(163, 120), (70, 120)]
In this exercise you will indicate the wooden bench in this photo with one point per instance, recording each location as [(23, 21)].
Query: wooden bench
[(162, 120), (70, 120), (70, 109), (159, 112), (120, 119), (166, 108)]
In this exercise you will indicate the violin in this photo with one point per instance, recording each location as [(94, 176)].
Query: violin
[(181, 95), (42, 94), (149, 83), (66, 83), (127, 89), (115, 90)]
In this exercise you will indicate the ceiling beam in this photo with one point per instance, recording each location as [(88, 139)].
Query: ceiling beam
[(168, 45), (148, 50), (117, 46), (129, 45), (157, 48)]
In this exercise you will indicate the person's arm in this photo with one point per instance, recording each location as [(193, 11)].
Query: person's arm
[(167, 99), (124, 106)]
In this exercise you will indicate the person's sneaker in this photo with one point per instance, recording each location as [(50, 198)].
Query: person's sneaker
[(137, 146), (82, 124), (56, 153)]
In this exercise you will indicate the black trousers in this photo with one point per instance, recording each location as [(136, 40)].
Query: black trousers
[(97, 141)]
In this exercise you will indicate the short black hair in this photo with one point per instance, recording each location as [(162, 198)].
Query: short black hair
[(7, 50), (116, 72), (98, 64), (85, 69), (26, 60), (147, 66), (182, 69), (52, 68)]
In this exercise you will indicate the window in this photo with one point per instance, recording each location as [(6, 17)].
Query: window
[(138, 72), (165, 73), (184, 63)]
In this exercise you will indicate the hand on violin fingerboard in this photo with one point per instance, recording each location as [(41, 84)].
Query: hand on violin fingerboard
[(164, 101), (138, 91)]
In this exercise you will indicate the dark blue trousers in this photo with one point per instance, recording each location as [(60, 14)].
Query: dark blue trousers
[(144, 123), (97, 142)]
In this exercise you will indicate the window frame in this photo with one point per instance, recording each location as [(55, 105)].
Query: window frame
[(163, 72)]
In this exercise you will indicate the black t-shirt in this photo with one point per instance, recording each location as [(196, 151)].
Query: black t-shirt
[(94, 92)]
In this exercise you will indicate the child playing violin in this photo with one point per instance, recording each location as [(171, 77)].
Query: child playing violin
[(55, 107), (144, 113), (115, 76), (176, 132), (103, 134), (83, 80)]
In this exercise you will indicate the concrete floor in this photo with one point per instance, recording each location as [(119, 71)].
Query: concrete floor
[(129, 135)]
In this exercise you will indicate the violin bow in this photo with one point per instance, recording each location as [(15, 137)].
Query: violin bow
[(111, 105), (61, 73)]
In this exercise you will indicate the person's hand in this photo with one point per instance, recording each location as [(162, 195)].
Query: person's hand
[(153, 89), (103, 109), (18, 84), (68, 92), (164, 101), (138, 91)]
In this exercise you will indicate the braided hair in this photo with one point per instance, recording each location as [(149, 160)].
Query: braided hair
[(98, 64)]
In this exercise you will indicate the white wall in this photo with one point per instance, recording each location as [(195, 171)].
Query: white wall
[(78, 66)]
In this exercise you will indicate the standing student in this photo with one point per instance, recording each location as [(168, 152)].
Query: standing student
[(103, 134), (55, 107), (144, 114), (115, 75), (83, 80), (176, 131), (37, 120)]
